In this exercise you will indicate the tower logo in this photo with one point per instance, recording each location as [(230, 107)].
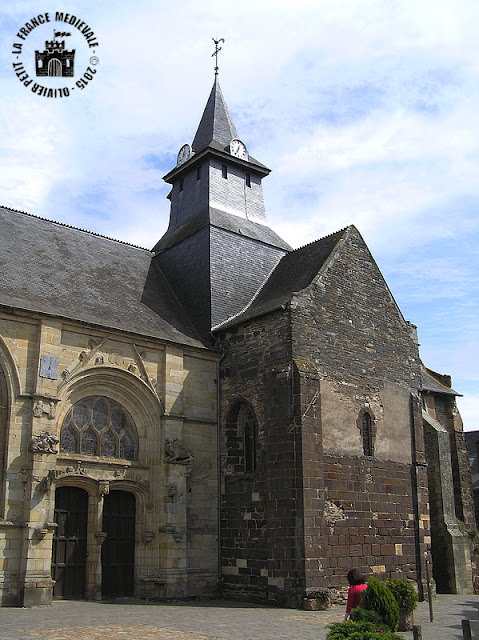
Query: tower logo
[(55, 60), (55, 67)]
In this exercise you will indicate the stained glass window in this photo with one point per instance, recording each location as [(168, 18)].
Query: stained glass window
[(99, 426)]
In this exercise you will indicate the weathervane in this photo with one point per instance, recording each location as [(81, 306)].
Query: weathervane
[(217, 50)]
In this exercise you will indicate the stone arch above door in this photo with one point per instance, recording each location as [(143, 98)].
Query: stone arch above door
[(134, 396)]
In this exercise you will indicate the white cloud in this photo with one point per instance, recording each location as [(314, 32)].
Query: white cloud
[(366, 111)]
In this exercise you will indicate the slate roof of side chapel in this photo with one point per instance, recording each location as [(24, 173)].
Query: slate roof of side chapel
[(429, 382), (294, 272), (62, 271)]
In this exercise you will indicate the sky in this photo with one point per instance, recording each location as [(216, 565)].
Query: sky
[(366, 111)]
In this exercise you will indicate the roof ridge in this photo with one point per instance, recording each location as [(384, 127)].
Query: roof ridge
[(329, 235), (70, 226)]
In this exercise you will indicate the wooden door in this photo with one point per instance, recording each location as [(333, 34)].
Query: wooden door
[(118, 550), (69, 543)]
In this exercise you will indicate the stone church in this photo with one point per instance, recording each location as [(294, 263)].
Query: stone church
[(220, 415)]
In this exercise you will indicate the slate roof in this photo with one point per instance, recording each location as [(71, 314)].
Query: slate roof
[(216, 123), (430, 382), (221, 220), (294, 272), (215, 132), (51, 268)]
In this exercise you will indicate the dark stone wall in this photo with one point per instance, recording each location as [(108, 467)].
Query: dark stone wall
[(440, 543), (349, 325), (374, 509), (445, 411), (261, 524), (315, 505), (372, 526)]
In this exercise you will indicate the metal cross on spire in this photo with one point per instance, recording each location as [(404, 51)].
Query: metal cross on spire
[(216, 51)]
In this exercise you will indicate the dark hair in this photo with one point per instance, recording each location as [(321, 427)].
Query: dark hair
[(356, 577)]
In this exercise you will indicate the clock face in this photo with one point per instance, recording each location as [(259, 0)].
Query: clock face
[(184, 154), (238, 149)]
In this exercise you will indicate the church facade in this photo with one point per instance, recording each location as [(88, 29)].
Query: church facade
[(222, 415)]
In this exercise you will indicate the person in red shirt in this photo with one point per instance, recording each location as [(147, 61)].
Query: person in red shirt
[(358, 584)]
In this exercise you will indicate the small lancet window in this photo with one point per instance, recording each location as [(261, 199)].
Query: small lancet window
[(241, 430), (181, 185), (224, 171), (198, 173), (247, 178), (249, 442), (367, 433)]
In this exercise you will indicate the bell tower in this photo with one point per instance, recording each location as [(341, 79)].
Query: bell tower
[(218, 249)]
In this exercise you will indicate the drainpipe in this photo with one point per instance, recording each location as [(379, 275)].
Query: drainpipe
[(218, 466)]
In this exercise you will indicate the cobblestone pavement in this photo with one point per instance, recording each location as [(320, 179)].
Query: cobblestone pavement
[(207, 620)]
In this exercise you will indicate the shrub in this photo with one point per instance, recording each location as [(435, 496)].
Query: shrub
[(359, 631), (367, 615), (404, 593), (379, 598)]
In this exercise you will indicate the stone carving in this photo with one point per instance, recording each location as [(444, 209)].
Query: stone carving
[(48, 480), (78, 471), (44, 443), (173, 494), (148, 536), (84, 358), (176, 453), (172, 530), (41, 407), (103, 487), (116, 359)]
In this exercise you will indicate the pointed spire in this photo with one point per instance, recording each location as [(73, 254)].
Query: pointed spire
[(216, 124)]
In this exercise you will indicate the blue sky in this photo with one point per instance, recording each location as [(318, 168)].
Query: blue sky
[(366, 112)]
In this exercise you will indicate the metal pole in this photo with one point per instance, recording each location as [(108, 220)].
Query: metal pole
[(428, 580), (466, 630)]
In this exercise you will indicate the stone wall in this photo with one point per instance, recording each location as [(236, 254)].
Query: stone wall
[(316, 505), (261, 539), (47, 366)]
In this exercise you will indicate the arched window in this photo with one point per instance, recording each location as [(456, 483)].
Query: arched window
[(249, 438), (241, 438), (367, 433), (99, 426)]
